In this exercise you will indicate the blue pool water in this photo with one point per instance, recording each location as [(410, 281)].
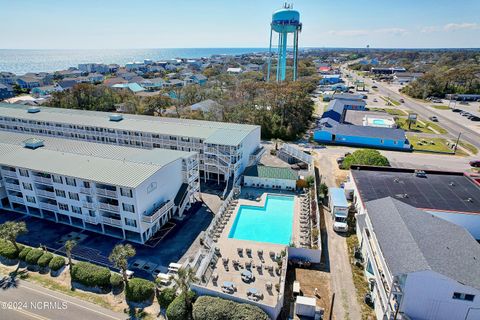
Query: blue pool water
[(378, 121), (271, 223)]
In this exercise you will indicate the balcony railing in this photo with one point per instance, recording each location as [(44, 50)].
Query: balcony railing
[(105, 192), (111, 221), (45, 193), (88, 205), (48, 206), (8, 173), (16, 199), (110, 207), (12, 186), (42, 179), (86, 190), (157, 213), (92, 220)]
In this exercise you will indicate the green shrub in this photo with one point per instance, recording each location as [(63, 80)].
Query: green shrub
[(8, 251), (116, 280), (212, 308), (139, 290), (45, 259), (166, 296), (365, 157), (23, 254), (33, 256), (56, 263), (91, 275), (177, 310)]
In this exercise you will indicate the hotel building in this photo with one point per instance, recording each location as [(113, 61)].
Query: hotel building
[(225, 149), (119, 191)]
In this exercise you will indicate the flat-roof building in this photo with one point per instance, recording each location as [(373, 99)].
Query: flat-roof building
[(453, 196), (225, 149), (124, 192)]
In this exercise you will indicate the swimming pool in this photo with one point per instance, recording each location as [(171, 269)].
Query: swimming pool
[(378, 121), (271, 223)]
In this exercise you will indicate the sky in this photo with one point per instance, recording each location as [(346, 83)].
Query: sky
[(115, 24)]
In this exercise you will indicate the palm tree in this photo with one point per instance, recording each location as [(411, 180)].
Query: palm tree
[(182, 281), (119, 257), (10, 230), (69, 245)]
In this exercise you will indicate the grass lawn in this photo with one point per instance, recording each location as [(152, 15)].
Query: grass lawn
[(468, 146), (361, 284), (435, 127), (391, 111), (392, 101), (440, 107), (417, 127), (438, 145)]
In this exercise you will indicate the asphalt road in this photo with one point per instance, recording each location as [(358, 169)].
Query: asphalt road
[(453, 128), (29, 301)]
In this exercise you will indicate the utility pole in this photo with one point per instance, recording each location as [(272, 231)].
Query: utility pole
[(456, 144)]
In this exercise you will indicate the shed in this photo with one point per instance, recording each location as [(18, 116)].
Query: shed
[(270, 177), (305, 306)]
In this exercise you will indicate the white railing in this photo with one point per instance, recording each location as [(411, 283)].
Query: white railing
[(85, 190), (13, 186), (105, 192), (158, 213), (45, 193), (8, 173), (107, 206), (89, 219), (42, 179), (48, 206), (111, 221), (16, 199), (88, 205)]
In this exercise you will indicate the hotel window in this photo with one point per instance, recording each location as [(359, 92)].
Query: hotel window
[(130, 222), (126, 192), (77, 210), (463, 296), (27, 186), (23, 172), (63, 206), (31, 199), (57, 179), (70, 182), (60, 193), (86, 184), (128, 207), (73, 196)]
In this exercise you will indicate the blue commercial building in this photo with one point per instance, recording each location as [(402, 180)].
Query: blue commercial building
[(332, 129), (330, 79)]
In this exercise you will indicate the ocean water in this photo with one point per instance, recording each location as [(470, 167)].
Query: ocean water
[(21, 61)]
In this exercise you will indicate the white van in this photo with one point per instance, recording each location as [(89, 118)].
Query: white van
[(338, 209)]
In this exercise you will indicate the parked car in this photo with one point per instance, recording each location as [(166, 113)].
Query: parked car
[(401, 101), (475, 118), (433, 118), (340, 159), (457, 110), (465, 103), (465, 114), (375, 100), (374, 87), (475, 163)]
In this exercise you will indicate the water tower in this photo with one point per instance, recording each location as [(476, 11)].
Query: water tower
[(284, 21)]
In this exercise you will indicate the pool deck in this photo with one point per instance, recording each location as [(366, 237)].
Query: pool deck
[(265, 267)]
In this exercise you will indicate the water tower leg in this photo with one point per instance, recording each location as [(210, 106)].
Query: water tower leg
[(284, 56), (269, 56), (279, 56), (295, 54)]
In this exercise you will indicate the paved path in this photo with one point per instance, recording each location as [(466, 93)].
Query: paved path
[(29, 301)]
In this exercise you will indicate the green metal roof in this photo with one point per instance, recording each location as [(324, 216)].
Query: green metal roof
[(223, 133), (270, 172)]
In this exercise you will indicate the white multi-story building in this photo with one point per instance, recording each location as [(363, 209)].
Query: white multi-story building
[(225, 149), (124, 192), (419, 266)]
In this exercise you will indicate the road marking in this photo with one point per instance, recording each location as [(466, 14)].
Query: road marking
[(76, 304), (30, 314)]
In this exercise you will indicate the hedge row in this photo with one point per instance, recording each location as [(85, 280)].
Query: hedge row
[(8, 251), (45, 259), (116, 280), (211, 308), (56, 263), (33, 256), (23, 254), (91, 275), (139, 290), (177, 310)]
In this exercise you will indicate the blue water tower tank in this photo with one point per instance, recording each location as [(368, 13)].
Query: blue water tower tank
[(285, 20)]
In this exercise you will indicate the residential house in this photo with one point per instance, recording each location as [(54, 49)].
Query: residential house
[(44, 90), (8, 78), (6, 91), (66, 84), (26, 82), (234, 70), (174, 83), (152, 84), (116, 80), (134, 87), (406, 77), (95, 77), (199, 79)]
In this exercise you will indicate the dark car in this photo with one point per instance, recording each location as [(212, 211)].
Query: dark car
[(457, 110), (475, 118), (374, 87), (434, 118), (475, 163), (340, 159), (401, 101)]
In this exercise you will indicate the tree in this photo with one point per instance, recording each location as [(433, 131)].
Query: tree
[(11, 230), (119, 257), (165, 297), (365, 157), (69, 245), (182, 281)]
